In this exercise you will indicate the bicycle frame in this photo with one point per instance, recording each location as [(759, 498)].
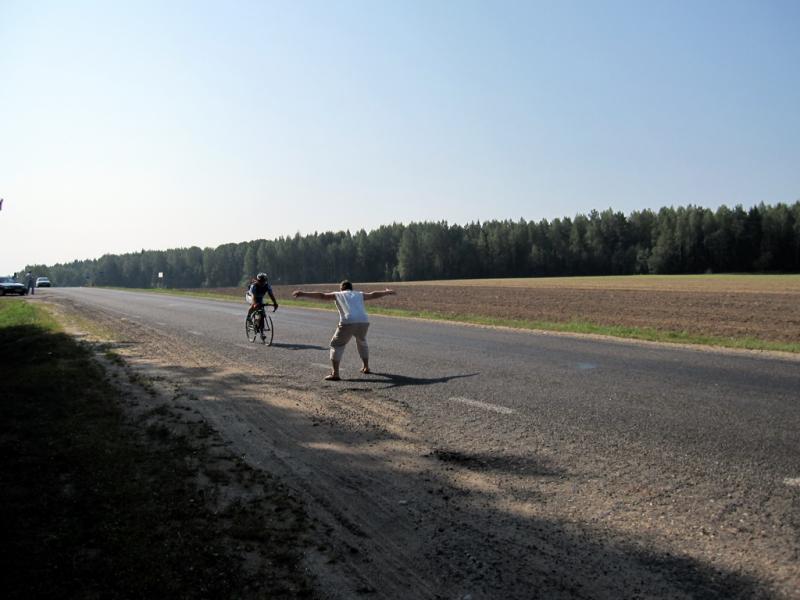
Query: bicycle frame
[(262, 326)]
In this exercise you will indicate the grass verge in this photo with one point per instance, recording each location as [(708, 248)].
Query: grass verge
[(97, 504), (579, 327)]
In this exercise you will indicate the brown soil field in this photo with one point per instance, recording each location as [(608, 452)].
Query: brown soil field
[(765, 308), (758, 284)]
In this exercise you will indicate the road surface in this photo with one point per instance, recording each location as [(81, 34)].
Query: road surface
[(490, 463)]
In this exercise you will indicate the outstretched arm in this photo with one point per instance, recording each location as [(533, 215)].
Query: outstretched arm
[(378, 294), (317, 295)]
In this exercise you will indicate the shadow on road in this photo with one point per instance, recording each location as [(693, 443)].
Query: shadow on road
[(298, 346), (480, 462), (394, 380)]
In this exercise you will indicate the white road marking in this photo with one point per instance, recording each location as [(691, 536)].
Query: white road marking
[(193, 332), (484, 405), (332, 447), (586, 366), (792, 481)]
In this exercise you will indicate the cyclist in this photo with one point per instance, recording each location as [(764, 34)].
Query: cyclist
[(260, 287)]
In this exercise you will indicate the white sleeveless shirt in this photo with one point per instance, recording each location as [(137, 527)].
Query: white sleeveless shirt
[(351, 309)]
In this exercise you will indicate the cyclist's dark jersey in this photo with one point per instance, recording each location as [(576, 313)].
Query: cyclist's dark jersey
[(259, 290)]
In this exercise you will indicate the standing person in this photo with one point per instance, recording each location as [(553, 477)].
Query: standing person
[(353, 322), (31, 283)]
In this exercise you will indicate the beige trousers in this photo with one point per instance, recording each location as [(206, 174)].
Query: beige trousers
[(344, 333)]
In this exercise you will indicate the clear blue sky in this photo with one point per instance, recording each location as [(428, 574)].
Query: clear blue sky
[(130, 125)]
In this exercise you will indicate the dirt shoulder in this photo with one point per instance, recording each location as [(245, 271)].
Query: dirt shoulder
[(113, 488)]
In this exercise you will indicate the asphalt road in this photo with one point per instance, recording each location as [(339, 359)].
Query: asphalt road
[(642, 470)]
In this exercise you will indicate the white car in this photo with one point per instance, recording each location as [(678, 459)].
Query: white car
[(42, 282)]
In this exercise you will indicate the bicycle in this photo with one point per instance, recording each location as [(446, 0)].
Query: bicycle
[(259, 323)]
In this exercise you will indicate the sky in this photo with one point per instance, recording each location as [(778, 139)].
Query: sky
[(162, 124)]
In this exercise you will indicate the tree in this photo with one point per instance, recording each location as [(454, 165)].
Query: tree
[(665, 256), (675, 240), (250, 267), (408, 255)]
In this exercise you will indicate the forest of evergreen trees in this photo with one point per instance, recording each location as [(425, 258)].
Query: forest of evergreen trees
[(688, 239)]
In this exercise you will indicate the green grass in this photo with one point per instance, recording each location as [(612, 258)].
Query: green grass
[(17, 313), (578, 327), (98, 505)]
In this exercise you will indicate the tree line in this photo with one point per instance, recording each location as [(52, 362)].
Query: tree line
[(691, 239)]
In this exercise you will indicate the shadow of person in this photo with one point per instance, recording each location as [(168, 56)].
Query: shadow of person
[(394, 380), (503, 463), (298, 346)]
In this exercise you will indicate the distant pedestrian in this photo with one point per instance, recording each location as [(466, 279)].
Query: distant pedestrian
[(353, 322), (31, 283)]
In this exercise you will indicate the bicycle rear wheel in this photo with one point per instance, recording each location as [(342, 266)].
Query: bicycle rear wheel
[(268, 332), (250, 329)]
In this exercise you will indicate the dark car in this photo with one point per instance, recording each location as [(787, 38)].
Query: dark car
[(9, 285), (42, 282)]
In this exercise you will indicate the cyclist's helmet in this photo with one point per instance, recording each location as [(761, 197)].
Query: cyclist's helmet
[(262, 277)]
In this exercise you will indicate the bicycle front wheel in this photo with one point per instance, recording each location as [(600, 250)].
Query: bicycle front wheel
[(268, 331), (250, 329)]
